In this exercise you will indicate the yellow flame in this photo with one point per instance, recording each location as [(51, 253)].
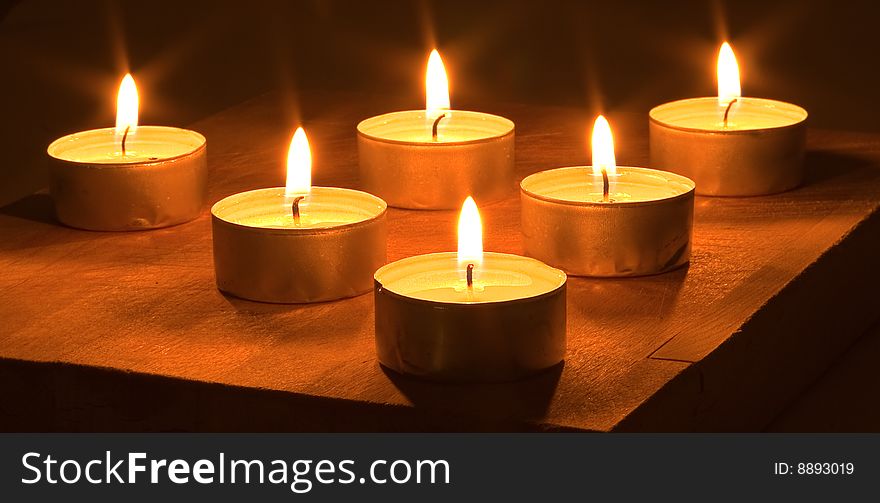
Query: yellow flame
[(603, 147), (728, 76), (299, 165), (470, 234), (126, 106), (436, 85)]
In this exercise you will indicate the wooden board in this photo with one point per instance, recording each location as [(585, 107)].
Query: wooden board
[(128, 331)]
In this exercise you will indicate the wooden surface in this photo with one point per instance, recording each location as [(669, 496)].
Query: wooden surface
[(127, 331)]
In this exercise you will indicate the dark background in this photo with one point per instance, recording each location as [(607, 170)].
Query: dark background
[(62, 62)]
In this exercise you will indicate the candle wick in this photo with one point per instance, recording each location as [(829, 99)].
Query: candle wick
[(606, 186), (470, 276), (435, 126), (125, 137), (295, 208), (727, 110)]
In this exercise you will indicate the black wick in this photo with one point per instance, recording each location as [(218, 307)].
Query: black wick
[(125, 137), (606, 186), (295, 208), (470, 275), (727, 110), (434, 127)]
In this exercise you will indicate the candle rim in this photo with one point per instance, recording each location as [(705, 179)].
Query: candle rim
[(562, 276), (620, 170), (302, 231), (428, 143), (714, 100), (57, 143)]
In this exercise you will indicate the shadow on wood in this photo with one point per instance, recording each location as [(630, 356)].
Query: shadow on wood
[(53, 396), (35, 207), (611, 298), (246, 306), (822, 166), (527, 398)]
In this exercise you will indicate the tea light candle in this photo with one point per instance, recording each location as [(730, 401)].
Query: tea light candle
[(469, 316), (298, 244), (607, 220), (434, 158), (129, 177), (730, 145)]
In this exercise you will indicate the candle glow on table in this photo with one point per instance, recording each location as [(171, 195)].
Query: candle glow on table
[(434, 158), (128, 177), (298, 243), (730, 145), (607, 220), (470, 315)]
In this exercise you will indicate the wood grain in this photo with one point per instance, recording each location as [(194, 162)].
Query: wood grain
[(131, 328)]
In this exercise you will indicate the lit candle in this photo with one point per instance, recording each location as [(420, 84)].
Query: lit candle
[(607, 220), (730, 145), (434, 158), (129, 177), (470, 316), (298, 243)]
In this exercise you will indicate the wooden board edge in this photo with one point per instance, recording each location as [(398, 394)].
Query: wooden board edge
[(751, 377), (56, 396)]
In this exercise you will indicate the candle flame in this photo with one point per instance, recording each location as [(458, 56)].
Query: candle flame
[(603, 147), (126, 106), (728, 76), (299, 165), (470, 234), (436, 85)]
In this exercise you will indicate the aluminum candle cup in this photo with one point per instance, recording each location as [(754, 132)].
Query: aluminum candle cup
[(402, 163), (161, 179), (644, 229), (760, 150), (261, 254), (433, 159), (430, 325)]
